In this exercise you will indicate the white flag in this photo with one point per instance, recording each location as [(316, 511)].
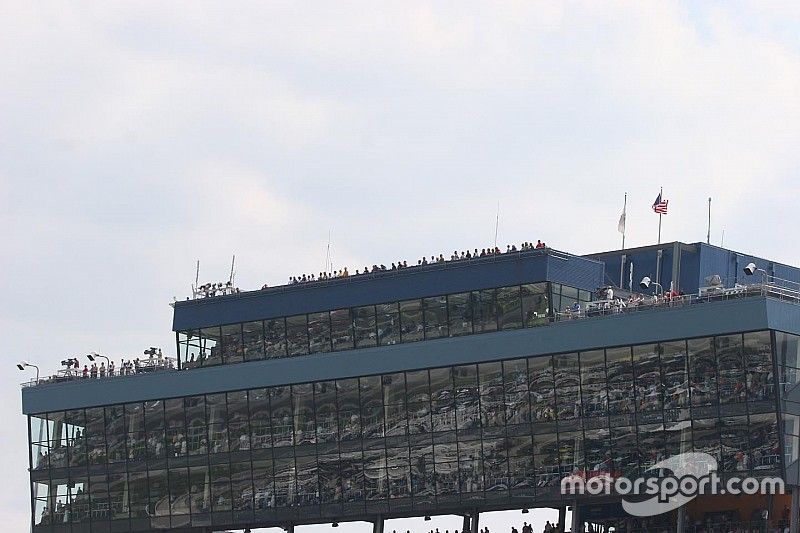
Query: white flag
[(621, 225)]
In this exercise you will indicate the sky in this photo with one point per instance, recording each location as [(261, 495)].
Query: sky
[(138, 138)]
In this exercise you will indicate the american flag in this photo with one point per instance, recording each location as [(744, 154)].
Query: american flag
[(660, 205)]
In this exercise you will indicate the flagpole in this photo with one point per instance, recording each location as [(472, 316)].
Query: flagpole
[(624, 226), (660, 195), (708, 235)]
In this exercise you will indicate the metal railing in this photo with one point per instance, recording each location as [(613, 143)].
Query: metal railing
[(137, 368), (665, 301)]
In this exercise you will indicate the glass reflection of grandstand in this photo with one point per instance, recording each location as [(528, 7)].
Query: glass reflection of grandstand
[(448, 388)]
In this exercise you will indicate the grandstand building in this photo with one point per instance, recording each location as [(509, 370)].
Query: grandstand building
[(450, 388)]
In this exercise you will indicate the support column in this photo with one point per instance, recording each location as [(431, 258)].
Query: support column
[(465, 526), (793, 518), (577, 522), (679, 527), (377, 524), (562, 518), (289, 528), (474, 520)]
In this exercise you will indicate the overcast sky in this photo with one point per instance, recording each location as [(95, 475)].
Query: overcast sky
[(137, 138)]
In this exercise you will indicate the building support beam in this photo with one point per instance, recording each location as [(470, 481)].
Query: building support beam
[(679, 527), (377, 524), (577, 522), (465, 526), (289, 528), (562, 518), (793, 518), (474, 520)]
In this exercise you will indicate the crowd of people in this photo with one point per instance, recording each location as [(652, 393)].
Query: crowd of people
[(126, 367), (455, 256), (210, 290)]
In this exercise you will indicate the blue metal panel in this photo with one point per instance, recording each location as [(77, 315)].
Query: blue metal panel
[(635, 328), (698, 261), (431, 280)]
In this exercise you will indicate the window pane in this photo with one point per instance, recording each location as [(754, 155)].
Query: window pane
[(735, 447), (702, 372), (210, 353), (509, 304), (731, 369), (411, 320), (325, 400), (486, 316), (542, 389), (275, 338), (515, 380), (319, 332), (232, 343), (435, 317), (281, 410), (621, 392), (758, 364), (342, 329), (459, 307), (238, 428), (189, 348), (674, 365), (349, 409), (297, 334), (388, 316), (253, 335), (260, 431), (535, 306), (366, 335), (647, 369), (593, 384)]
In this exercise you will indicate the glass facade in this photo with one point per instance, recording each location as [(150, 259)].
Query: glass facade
[(492, 434), (448, 315)]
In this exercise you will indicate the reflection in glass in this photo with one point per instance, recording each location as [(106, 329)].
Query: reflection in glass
[(319, 332), (342, 329), (509, 308), (388, 323), (460, 312), (297, 335), (435, 311), (253, 340), (365, 326), (411, 320)]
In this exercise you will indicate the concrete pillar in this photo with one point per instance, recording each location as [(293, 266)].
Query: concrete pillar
[(465, 527), (562, 518), (577, 523), (289, 528), (793, 518), (377, 524), (679, 527), (474, 520)]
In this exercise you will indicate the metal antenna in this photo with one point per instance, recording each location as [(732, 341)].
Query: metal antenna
[(496, 225), (233, 272), (328, 253), (196, 279)]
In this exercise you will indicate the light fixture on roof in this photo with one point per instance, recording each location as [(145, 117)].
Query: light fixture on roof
[(92, 356), (751, 269), (646, 282), (23, 364)]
